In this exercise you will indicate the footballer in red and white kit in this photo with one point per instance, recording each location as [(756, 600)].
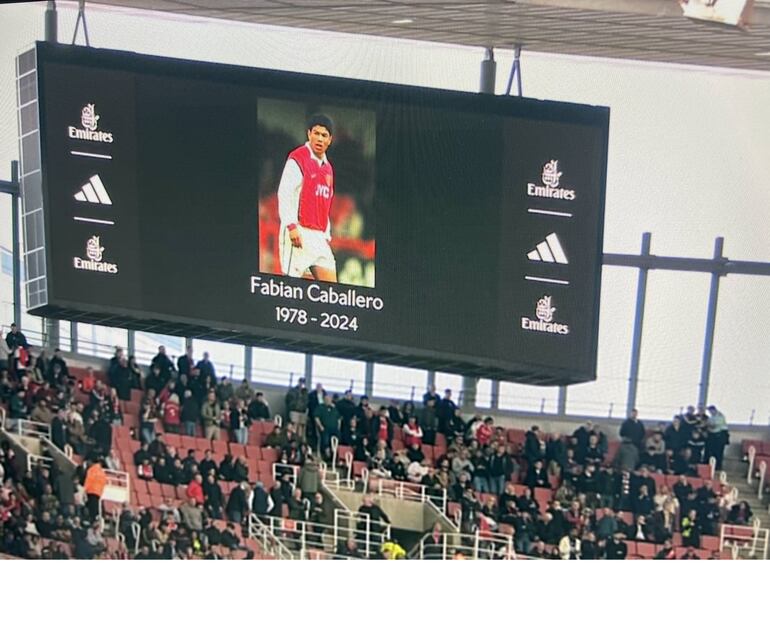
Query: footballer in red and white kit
[(304, 201)]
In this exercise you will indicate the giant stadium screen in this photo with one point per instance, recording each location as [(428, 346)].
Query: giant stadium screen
[(429, 228)]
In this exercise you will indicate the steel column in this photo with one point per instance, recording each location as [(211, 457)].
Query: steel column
[(369, 379), (51, 23), (711, 319), (562, 401), (308, 370), (636, 345), (16, 247), (248, 357), (488, 72)]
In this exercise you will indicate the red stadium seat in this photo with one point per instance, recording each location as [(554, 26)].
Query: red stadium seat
[(646, 550), (253, 468), (187, 443), (358, 468), (236, 449), (253, 452), (153, 487), (219, 447), (704, 471), (397, 445), (631, 545), (428, 452), (264, 468), (342, 451), (270, 454), (173, 439), (627, 517), (168, 491), (441, 441), (710, 543)]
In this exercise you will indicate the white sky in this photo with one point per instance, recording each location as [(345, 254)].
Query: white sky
[(689, 158)]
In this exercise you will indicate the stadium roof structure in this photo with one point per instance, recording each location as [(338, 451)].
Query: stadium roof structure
[(644, 30)]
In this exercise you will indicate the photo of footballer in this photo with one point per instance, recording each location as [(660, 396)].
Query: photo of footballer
[(304, 202), (316, 196)]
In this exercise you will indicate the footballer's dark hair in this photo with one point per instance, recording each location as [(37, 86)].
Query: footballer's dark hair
[(320, 119)]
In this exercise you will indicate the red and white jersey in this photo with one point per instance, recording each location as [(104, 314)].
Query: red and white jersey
[(306, 191)]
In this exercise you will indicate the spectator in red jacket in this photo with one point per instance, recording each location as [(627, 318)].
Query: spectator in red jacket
[(485, 431), (195, 489), (171, 414), (412, 432)]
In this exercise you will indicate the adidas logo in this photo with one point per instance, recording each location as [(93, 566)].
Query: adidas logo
[(549, 251), (94, 192)]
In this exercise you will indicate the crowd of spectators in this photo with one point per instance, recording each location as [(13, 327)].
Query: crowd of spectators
[(475, 465)]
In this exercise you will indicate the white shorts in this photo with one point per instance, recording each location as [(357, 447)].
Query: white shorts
[(315, 251)]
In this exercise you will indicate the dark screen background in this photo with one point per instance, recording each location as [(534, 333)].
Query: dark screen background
[(450, 202)]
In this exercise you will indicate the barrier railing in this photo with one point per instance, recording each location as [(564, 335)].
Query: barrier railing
[(270, 542), (369, 534), (761, 485), (35, 460), (749, 540), (30, 428), (479, 545), (412, 492), (284, 468)]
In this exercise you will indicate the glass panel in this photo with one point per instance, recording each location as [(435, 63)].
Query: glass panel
[(672, 343), (484, 393), (146, 346), (276, 367), (607, 394), (514, 396), (100, 341), (226, 357), (395, 382), (337, 375), (450, 381), (65, 335), (739, 384)]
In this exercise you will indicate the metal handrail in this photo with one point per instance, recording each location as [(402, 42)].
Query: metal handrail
[(412, 492), (761, 485), (751, 455), (475, 546), (261, 532), (31, 428)]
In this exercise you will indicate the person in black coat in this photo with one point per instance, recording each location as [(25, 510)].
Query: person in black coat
[(237, 504), (445, 411), (101, 433), (534, 446), (59, 431), (260, 504), (537, 476), (165, 364), (212, 497), (633, 430), (616, 549)]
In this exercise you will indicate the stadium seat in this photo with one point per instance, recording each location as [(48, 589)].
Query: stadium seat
[(542, 497), (253, 468), (631, 545), (397, 445), (219, 447), (710, 543), (173, 439), (428, 452), (168, 491), (358, 468), (187, 443), (153, 487), (660, 481), (237, 449), (646, 550), (704, 471), (342, 451), (441, 441), (270, 454), (253, 452), (264, 468)]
